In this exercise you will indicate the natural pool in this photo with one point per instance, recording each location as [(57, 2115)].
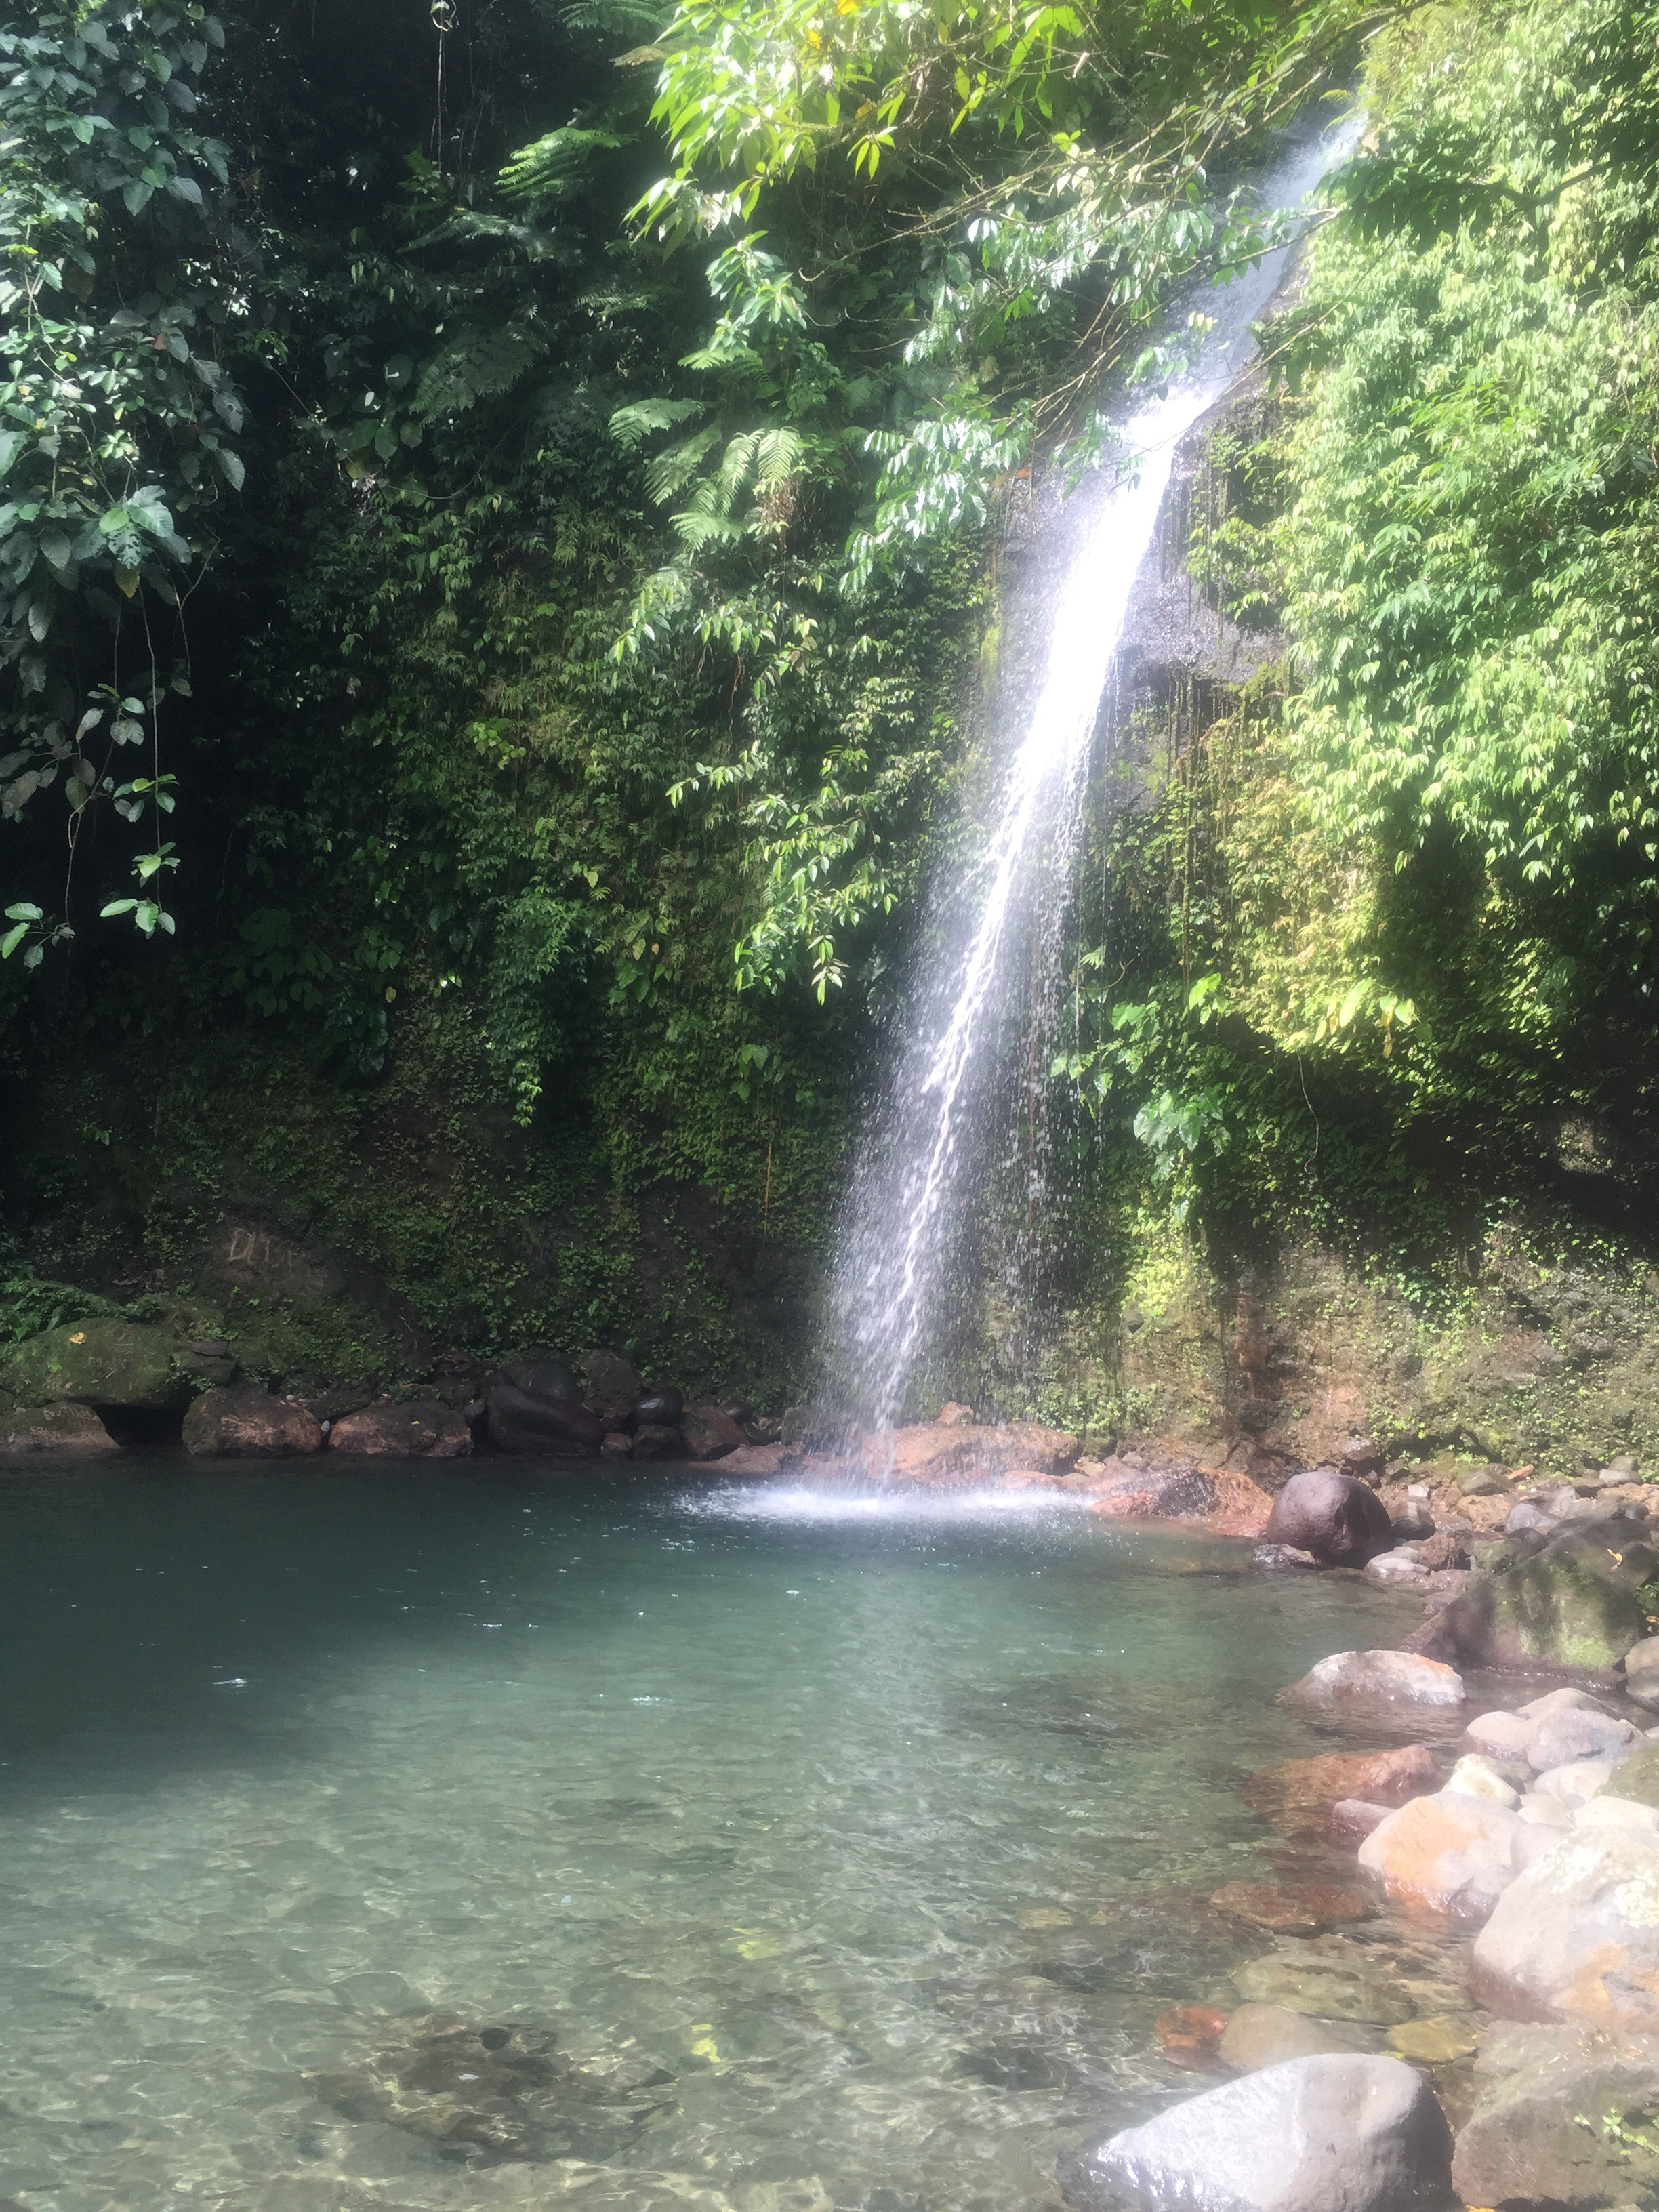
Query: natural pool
[(849, 1853)]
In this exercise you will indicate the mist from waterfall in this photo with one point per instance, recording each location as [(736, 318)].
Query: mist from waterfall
[(959, 1116)]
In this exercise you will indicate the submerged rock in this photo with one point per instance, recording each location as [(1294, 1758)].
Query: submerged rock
[(102, 1362), (1325, 2134), (249, 1423), (1259, 2035), (1576, 1937), (493, 2093), (1342, 1522), (1535, 2141), (422, 1430), (62, 1431), (1303, 1911), (1297, 1795), (1330, 1978)]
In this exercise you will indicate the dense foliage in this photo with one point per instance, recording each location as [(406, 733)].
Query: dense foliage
[(501, 508)]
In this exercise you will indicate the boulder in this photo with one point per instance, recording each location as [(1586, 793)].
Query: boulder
[(1573, 1604), (132, 1364), (422, 1430), (655, 1440), (1576, 1936), (711, 1434), (1351, 1820), (1446, 1549), (1402, 1568), (247, 1424), (660, 1406), (1342, 1522), (1475, 1777), (1637, 1775), (1306, 1910), (1450, 1857), (1556, 1738), (552, 1422), (543, 1375), (1152, 1493), (1380, 1678), (616, 1443), (1296, 1795), (1499, 1736), (1327, 2134), (1574, 1784), (1606, 1814), (1534, 2141), (950, 1457), (753, 1459), (608, 1375), (1259, 2035), (1543, 1810), (1641, 1672), (60, 1432)]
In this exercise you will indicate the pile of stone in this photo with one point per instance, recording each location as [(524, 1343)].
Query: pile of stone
[(88, 1388)]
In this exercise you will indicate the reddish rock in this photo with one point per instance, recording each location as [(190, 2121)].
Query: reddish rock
[(616, 1443), (1152, 1493), (949, 1456), (711, 1434), (1297, 1797), (1307, 1910), (753, 1459), (1342, 1522), (951, 1415), (1450, 1857), (422, 1430), (248, 1423), (1188, 2036), (1444, 1549), (61, 1432)]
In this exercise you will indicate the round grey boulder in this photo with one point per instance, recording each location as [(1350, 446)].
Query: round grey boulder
[(1329, 2134), (1339, 1520)]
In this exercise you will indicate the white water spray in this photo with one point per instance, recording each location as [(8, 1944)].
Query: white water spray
[(904, 1260)]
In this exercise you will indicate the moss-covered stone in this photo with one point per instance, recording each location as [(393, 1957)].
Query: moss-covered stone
[(1575, 1605), (99, 1362), (63, 1431), (1637, 1777)]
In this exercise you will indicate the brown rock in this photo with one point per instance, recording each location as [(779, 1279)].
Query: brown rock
[(950, 1415), (1306, 1911), (616, 1443), (1297, 1797), (1444, 1549), (1340, 1521), (61, 1432), (753, 1459), (1188, 2036), (423, 1430), (710, 1433), (248, 1423), (655, 1440), (946, 1457)]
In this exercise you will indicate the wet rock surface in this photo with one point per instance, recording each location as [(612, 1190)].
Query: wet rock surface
[(1297, 1795), (1379, 1679), (1321, 2134), (493, 2093)]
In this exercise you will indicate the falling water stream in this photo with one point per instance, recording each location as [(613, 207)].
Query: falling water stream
[(978, 1000)]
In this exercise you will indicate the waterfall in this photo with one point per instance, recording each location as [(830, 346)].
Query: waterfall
[(975, 1045)]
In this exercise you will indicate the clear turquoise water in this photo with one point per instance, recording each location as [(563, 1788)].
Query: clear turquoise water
[(740, 1795)]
